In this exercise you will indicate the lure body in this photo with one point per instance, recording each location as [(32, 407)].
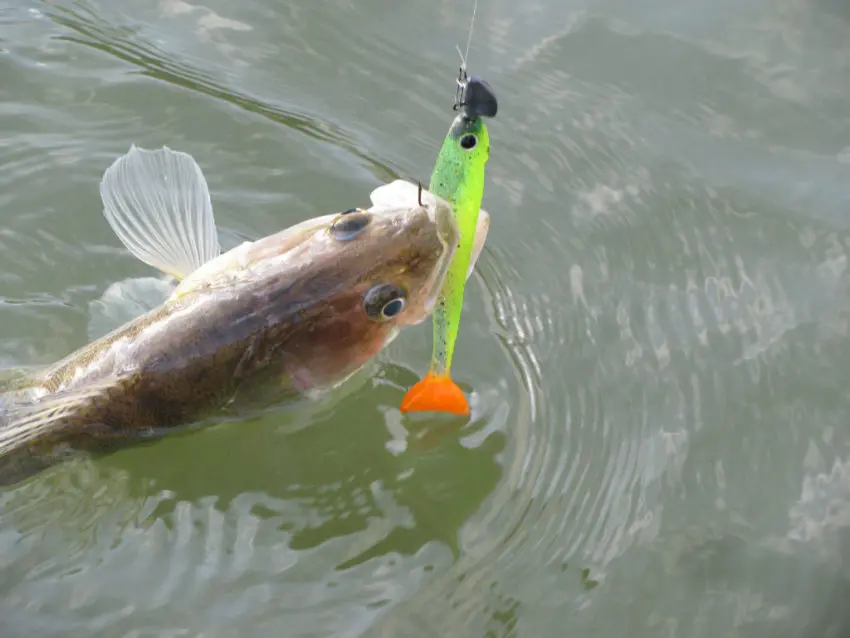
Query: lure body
[(458, 178)]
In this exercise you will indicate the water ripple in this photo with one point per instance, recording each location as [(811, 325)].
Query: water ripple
[(656, 315)]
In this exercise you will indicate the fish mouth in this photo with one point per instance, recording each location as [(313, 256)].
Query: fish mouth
[(440, 213)]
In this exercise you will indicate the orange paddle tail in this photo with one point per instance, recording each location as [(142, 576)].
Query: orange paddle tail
[(435, 393)]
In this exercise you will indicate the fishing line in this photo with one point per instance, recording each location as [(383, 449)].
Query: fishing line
[(461, 76), (464, 58)]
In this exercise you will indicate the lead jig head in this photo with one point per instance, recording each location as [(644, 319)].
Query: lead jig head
[(475, 97)]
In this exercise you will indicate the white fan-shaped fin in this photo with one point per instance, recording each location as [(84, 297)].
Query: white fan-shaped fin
[(158, 203), (125, 300), (401, 193)]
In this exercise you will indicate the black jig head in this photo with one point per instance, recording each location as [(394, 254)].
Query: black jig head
[(475, 97)]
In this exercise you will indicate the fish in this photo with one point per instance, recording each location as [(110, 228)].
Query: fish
[(290, 315), (458, 177)]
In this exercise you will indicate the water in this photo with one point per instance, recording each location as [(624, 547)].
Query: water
[(655, 341)]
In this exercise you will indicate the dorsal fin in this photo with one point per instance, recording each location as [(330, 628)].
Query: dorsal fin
[(158, 204)]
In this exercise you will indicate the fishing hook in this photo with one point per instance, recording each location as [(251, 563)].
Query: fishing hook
[(462, 83)]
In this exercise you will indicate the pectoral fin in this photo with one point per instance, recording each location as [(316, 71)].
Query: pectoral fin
[(125, 300), (158, 203)]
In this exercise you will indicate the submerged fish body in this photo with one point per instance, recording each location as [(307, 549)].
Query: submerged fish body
[(295, 312)]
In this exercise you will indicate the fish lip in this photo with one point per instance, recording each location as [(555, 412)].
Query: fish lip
[(440, 213)]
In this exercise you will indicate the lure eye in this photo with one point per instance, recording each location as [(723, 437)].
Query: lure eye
[(383, 302), (349, 225), (468, 142)]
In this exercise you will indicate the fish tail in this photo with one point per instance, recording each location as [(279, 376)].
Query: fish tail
[(23, 421), (26, 416), (435, 393)]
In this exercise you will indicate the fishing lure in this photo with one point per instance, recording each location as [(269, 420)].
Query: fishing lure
[(458, 178)]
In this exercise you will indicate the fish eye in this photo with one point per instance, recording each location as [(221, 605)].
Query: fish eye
[(468, 141), (349, 225), (392, 308), (385, 301)]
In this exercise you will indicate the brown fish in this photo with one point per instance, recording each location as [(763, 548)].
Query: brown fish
[(294, 313)]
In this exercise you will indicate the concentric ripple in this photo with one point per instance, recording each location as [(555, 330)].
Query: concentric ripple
[(645, 322)]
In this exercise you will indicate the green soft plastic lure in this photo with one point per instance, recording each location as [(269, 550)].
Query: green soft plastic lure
[(458, 178)]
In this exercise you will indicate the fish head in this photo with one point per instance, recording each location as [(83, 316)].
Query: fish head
[(401, 192), (390, 261), (337, 289)]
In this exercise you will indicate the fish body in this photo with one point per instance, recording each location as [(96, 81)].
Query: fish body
[(458, 178), (294, 313)]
